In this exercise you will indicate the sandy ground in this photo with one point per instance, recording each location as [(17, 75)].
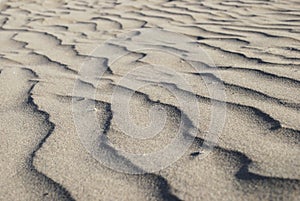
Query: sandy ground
[(49, 70)]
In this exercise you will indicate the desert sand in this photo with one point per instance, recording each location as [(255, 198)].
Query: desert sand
[(86, 85)]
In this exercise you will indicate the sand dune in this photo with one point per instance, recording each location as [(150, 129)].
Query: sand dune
[(67, 68)]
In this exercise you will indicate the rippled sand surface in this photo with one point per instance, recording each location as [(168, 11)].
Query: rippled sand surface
[(46, 47)]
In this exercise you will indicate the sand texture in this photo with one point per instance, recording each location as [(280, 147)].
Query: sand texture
[(59, 57)]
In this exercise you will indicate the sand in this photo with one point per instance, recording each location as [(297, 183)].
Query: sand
[(94, 92)]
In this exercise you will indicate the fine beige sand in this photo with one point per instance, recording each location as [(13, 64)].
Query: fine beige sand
[(67, 68)]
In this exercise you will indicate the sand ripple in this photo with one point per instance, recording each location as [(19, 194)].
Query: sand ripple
[(255, 46)]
